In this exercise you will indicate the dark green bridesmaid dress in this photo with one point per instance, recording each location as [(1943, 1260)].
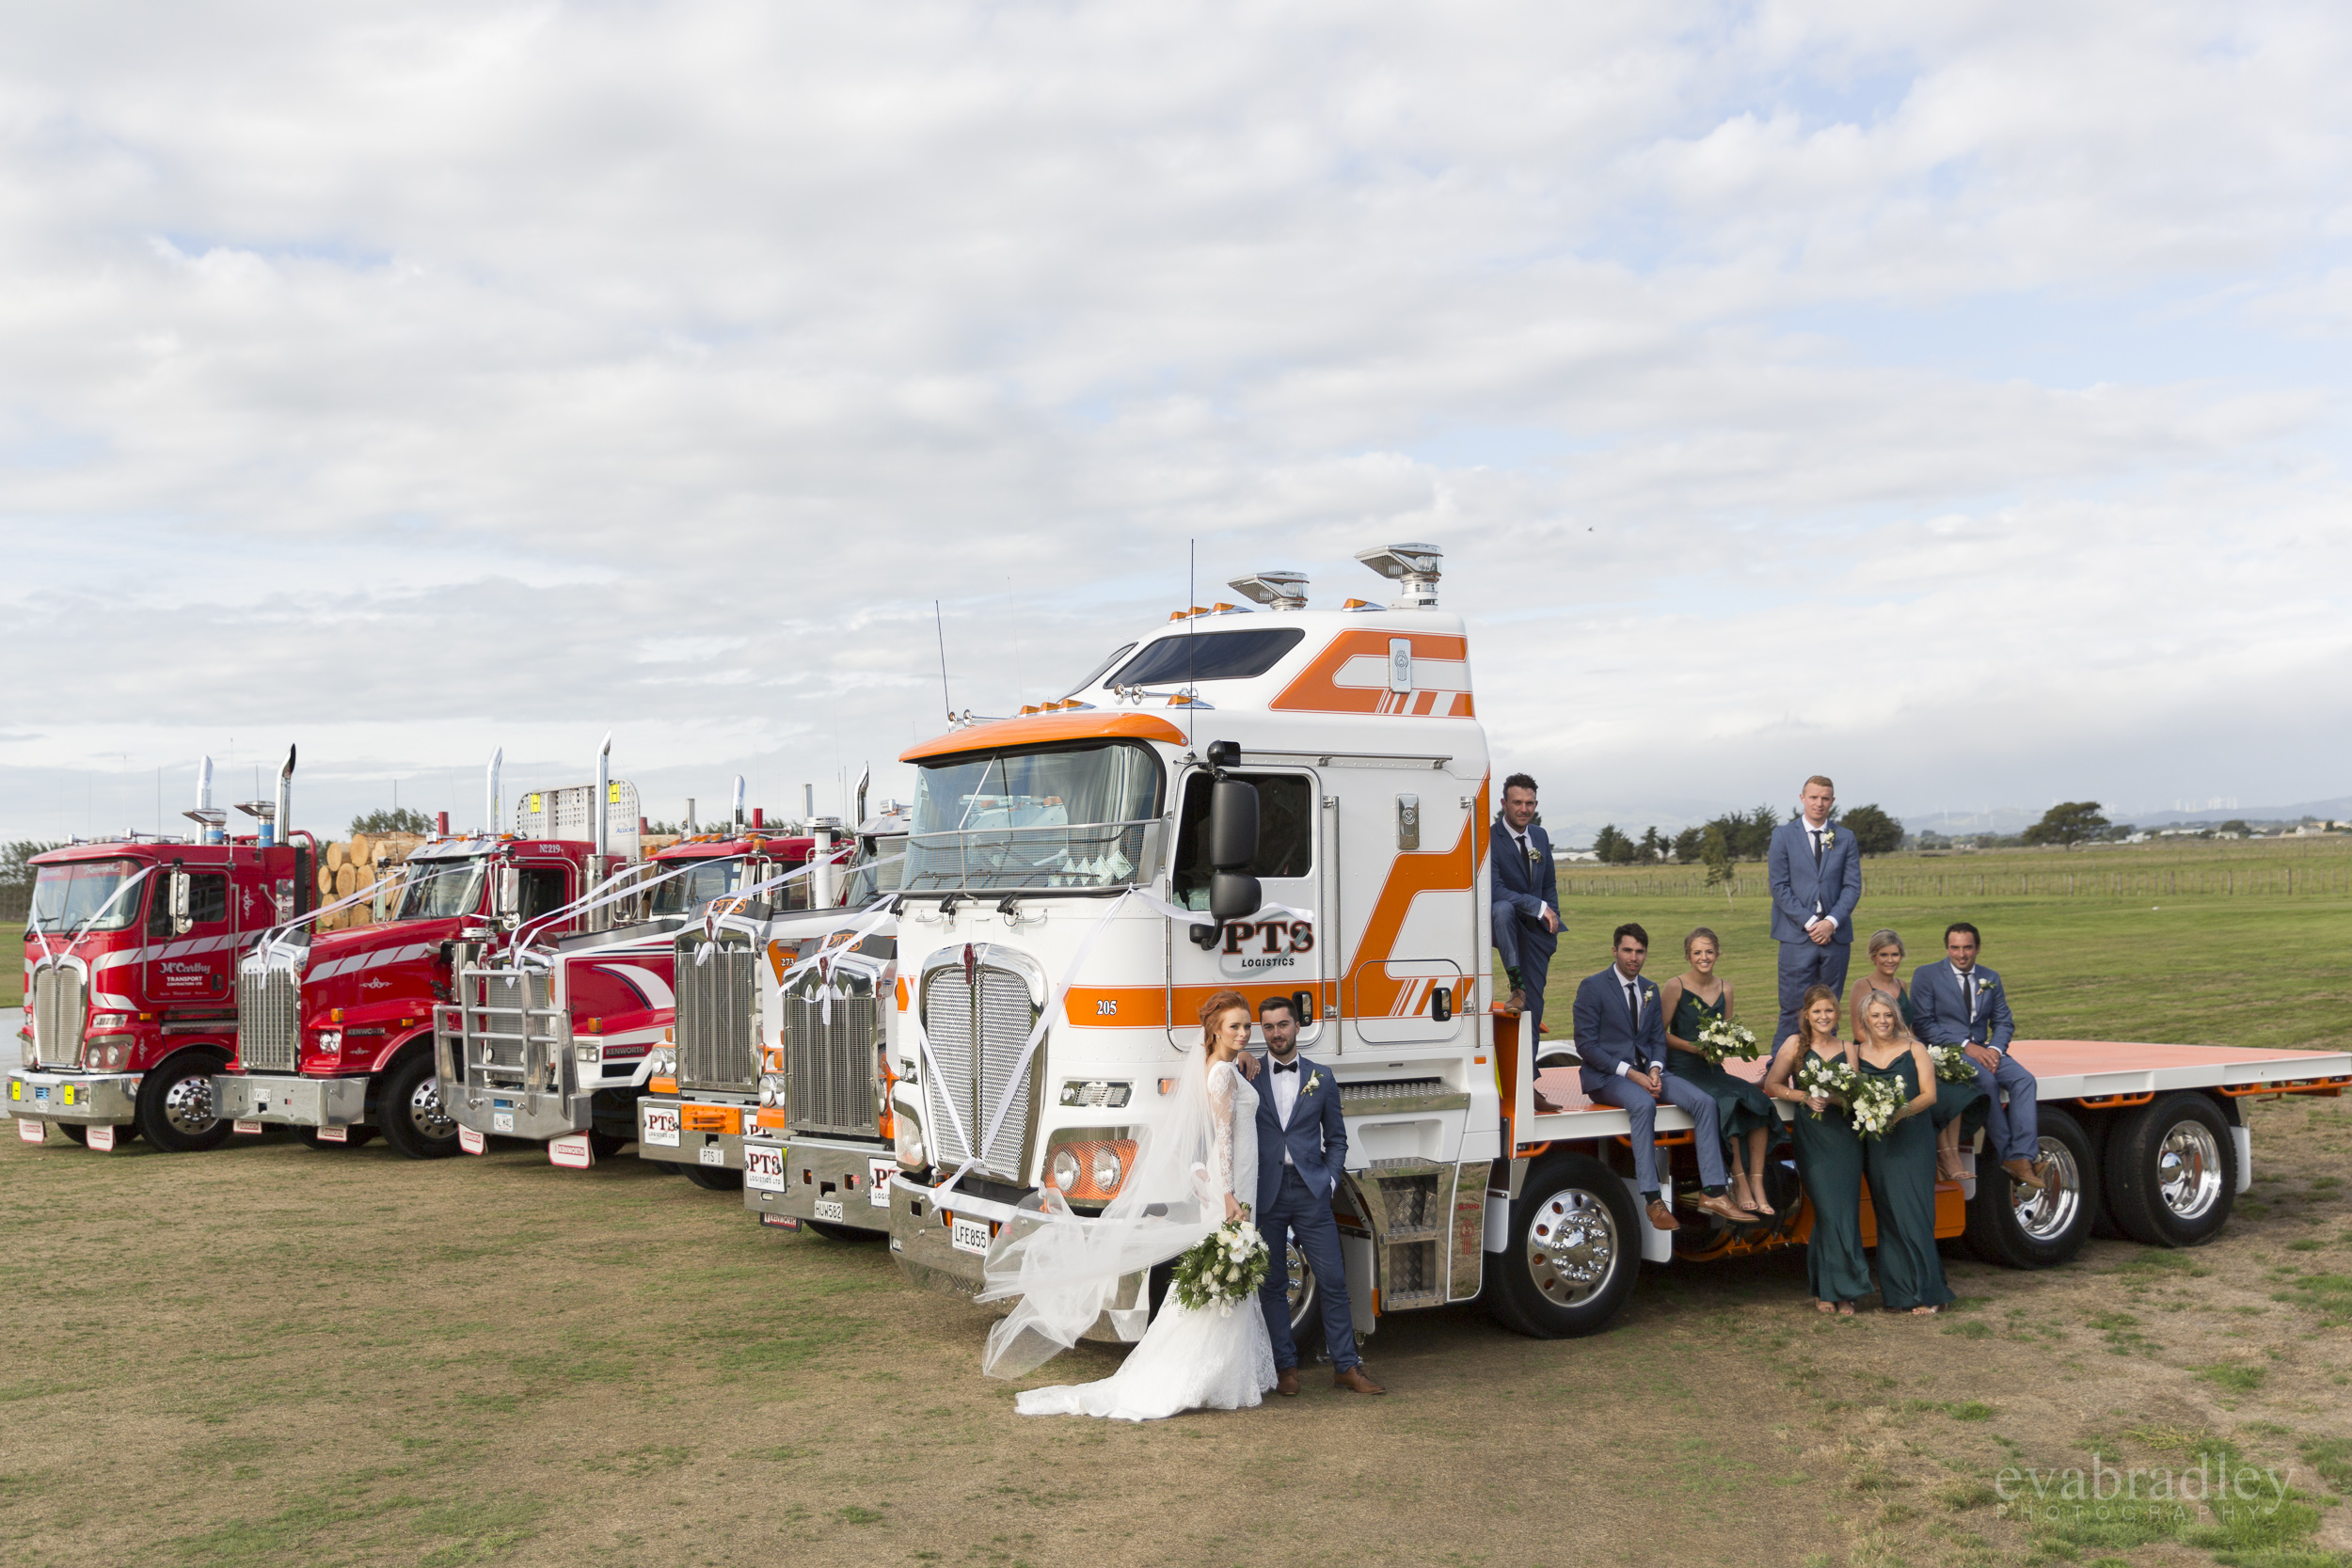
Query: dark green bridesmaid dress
[(1740, 1106), (1829, 1163), (1901, 1169), (1962, 1101)]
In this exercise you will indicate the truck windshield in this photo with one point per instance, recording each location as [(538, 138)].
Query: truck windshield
[(437, 890), (66, 895), (1066, 818), (689, 889), (868, 879)]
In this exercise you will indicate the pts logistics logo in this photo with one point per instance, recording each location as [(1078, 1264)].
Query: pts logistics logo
[(1266, 943), (2109, 1493)]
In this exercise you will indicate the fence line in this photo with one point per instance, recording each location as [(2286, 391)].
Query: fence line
[(2291, 881)]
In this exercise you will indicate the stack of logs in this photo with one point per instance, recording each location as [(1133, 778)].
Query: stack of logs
[(349, 867)]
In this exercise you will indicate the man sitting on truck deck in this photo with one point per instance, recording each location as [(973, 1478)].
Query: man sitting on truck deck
[(1960, 1002), (1621, 1034), (1526, 899)]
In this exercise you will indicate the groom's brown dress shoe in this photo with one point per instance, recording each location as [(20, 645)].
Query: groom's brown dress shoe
[(1661, 1216), (1356, 1382), (1286, 1383)]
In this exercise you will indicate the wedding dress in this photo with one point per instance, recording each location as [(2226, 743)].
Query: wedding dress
[(1216, 1358)]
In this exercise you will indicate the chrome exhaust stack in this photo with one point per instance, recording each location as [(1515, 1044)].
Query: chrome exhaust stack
[(209, 819), (490, 793)]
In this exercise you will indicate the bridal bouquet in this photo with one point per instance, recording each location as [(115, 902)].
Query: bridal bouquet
[(1874, 1102), (1224, 1269), (1824, 1078), (1952, 1065), (1723, 1037)]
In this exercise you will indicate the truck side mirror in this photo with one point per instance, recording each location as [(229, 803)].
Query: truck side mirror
[(1232, 826), (506, 895), (182, 888)]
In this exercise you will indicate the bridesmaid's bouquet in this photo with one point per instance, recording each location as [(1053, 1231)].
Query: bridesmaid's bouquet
[(1825, 1078), (1723, 1037), (1874, 1102), (1225, 1268), (1952, 1065)]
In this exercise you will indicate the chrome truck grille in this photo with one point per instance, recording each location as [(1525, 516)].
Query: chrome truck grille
[(269, 1018), (59, 1012), (506, 1035), (716, 1033), (976, 1028), (835, 1083)]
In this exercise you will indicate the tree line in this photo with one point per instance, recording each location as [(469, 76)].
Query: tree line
[(1748, 836)]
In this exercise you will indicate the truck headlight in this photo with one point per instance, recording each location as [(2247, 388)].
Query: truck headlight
[(772, 1091), (1062, 1170), (661, 1062), (907, 1141), (588, 1055), (105, 1055), (330, 1042)]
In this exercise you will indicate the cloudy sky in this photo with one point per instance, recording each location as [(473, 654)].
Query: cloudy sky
[(1950, 398)]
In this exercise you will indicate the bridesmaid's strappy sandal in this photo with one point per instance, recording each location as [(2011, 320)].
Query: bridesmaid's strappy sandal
[(1845, 1309), (1924, 1311), (1825, 1307)]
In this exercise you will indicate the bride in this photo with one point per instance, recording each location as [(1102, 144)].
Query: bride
[(1066, 1274)]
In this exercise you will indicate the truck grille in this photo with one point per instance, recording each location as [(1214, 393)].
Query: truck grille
[(506, 1036), (58, 1014), (715, 998), (269, 1019), (975, 1031), (833, 1085)]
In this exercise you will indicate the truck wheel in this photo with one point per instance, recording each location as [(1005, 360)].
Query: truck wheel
[(850, 1233), (2021, 1229), (1306, 1305), (1575, 1251), (714, 1178), (2172, 1171), (409, 1112), (175, 1110)]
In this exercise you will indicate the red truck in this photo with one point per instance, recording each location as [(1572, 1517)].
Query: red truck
[(130, 963)]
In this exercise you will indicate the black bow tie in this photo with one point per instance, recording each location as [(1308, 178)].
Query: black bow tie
[(1286, 1067)]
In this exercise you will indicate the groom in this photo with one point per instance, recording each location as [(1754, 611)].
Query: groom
[(1299, 1116)]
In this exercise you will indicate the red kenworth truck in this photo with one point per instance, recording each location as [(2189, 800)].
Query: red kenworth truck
[(130, 958)]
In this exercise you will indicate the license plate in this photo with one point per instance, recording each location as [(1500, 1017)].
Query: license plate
[(878, 1191), (968, 1235), (501, 1122), (661, 1126), (102, 1139), (30, 1131), (252, 1127), (471, 1141), (763, 1168), (713, 1154), (829, 1209), (334, 1134)]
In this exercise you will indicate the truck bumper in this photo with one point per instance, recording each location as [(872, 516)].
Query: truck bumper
[(678, 1145), (923, 1239), (513, 1114), (807, 1178), (288, 1100), (96, 1099)]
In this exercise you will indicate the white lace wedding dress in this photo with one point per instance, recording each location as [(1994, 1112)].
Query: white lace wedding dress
[(1213, 1359)]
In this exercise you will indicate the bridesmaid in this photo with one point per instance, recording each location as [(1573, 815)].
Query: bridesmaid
[(1901, 1166), (1959, 1108), (1829, 1159), (1692, 1001)]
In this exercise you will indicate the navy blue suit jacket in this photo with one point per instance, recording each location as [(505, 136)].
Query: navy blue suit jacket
[(1606, 1033), (1521, 889), (1942, 1007), (1316, 1138), (1797, 886)]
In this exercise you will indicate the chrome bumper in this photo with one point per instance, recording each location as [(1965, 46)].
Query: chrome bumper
[(719, 1150), (919, 1240), (101, 1098), (520, 1113), (289, 1100), (850, 1181)]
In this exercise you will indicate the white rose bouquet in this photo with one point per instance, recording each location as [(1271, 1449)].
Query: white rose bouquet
[(1952, 1065), (1824, 1078), (1224, 1269), (1874, 1102), (1723, 1039)]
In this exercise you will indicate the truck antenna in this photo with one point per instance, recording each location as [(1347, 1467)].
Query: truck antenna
[(940, 625), (1192, 626)]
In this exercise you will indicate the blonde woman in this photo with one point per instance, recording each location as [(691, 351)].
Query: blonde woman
[(1959, 1107), (1829, 1158), (1901, 1163)]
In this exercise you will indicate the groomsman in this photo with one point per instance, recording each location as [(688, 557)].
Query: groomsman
[(1960, 1002), (1526, 900), (1815, 872)]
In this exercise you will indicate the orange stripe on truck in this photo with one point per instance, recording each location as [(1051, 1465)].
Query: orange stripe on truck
[(1315, 688)]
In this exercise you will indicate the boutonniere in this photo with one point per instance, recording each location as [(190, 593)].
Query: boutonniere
[(1829, 836), (1314, 1080), (1983, 984)]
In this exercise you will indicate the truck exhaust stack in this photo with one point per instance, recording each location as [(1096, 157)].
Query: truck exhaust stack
[(490, 792)]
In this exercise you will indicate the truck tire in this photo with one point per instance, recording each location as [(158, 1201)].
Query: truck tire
[(1306, 1304), (2171, 1176), (408, 1111), (606, 1145), (175, 1111), (2020, 1229), (1574, 1253), (714, 1178), (75, 1133), (850, 1233)]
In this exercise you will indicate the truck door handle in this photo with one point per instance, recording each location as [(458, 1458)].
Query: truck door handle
[(1440, 1002)]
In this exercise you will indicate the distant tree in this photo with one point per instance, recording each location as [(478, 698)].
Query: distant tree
[(2067, 824), (1874, 832), (2235, 825), (1611, 847), (1756, 839), (1716, 851), (1653, 847), (2120, 832), (14, 873), (399, 820), (1690, 845)]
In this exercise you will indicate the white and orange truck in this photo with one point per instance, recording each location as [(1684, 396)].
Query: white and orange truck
[(1296, 802)]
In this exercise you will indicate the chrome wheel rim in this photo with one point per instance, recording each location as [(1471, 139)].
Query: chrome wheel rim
[(189, 1105), (2046, 1214), (425, 1114), (1572, 1247), (2189, 1170), (1300, 1296)]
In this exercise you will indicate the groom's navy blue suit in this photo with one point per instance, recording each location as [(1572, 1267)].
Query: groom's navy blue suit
[(1294, 1199), (1807, 886)]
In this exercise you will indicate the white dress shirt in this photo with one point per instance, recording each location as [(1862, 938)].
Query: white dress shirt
[(1813, 840), (1286, 1096)]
